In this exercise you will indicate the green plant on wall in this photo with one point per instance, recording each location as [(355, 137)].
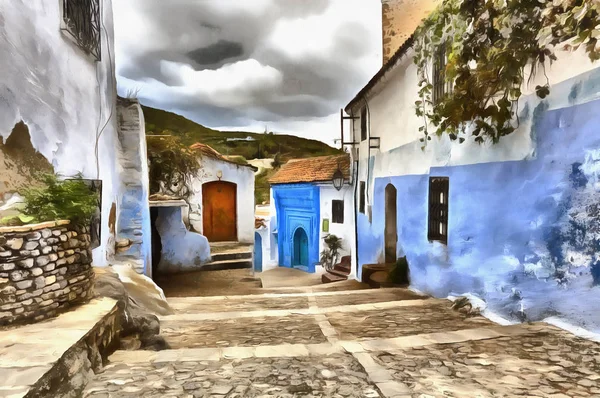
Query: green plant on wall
[(171, 165), (70, 199), (492, 48)]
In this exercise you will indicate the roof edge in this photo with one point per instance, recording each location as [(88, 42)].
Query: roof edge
[(389, 65)]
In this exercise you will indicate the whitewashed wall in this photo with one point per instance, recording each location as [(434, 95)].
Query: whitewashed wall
[(391, 105), (243, 176), (345, 230), (52, 85)]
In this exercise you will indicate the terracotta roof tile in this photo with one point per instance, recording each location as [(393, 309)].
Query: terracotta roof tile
[(212, 153), (319, 169)]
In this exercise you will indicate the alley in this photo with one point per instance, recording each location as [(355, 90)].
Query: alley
[(363, 343)]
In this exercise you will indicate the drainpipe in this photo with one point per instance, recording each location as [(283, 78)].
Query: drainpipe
[(355, 177)]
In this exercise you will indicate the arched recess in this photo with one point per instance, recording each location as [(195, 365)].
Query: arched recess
[(391, 227), (219, 211), (300, 252)]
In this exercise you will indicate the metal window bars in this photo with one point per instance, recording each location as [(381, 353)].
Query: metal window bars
[(439, 188), (81, 20)]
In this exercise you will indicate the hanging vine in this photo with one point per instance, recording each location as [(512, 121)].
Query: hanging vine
[(493, 47)]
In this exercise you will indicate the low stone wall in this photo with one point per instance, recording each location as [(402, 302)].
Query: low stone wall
[(44, 268)]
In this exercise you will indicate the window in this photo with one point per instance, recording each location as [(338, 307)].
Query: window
[(440, 86), (361, 206), (363, 124), (337, 211), (81, 21), (438, 209)]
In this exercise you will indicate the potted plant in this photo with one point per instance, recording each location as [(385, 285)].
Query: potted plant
[(330, 255)]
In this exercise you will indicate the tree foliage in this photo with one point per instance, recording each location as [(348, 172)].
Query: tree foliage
[(171, 166), (70, 199), (493, 47)]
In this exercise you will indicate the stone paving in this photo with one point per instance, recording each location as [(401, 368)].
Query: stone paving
[(332, 376), (294, 329), (343, 347), (404, 321), (242, 304)]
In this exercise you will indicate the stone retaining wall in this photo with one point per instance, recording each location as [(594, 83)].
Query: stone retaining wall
[(44, 268)]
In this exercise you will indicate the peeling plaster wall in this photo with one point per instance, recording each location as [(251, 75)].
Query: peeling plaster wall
[(61, 94), (240, 175), (133, 221), (524, 222), (182, 250)]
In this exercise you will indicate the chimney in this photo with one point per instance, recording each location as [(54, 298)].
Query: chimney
[(399, 19)]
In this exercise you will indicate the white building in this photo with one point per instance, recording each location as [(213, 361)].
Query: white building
[(58, 77), (222, 198), (307, 207), (496, 220)]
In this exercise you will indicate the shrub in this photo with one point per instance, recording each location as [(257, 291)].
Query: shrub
[(399, 272), (172, 164), (70, 199)]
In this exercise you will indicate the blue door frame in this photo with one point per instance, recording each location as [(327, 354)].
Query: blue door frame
[(258, 262)]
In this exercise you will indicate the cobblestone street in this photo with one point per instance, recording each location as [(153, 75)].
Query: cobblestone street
[(365, 343)]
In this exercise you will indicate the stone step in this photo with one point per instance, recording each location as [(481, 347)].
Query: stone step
[(231, 256), (228, 264), (329, 278), (336, 272), (342, 268)]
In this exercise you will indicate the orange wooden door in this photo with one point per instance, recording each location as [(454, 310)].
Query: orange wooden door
[(219, 217)]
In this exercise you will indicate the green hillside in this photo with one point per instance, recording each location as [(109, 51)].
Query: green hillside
[(259, 147), (262, 145)]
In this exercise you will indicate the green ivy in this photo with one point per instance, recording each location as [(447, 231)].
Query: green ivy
[(493, 47)]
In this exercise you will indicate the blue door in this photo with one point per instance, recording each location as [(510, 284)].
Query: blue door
[(300, 248), (257, 252)]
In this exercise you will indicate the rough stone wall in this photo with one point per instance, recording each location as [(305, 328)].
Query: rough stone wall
[(44, 268), (133, 228), (399, 19)]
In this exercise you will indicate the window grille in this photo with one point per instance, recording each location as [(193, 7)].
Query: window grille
[(337, 211), (363, 124), (441, 87), (361, 207), (81, 20), (438, 209)]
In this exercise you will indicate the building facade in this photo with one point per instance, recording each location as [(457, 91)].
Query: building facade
[(515, 223), (222, 198), (58, 94), (308, 207)]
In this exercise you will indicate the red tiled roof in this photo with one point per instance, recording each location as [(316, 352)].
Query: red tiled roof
[(212, 153), (319, 169)]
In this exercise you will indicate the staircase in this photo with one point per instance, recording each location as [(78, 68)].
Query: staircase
[(229, 255), (339, 272)]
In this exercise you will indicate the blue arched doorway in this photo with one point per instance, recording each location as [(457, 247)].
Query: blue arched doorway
[(258, 262), (300, 248)]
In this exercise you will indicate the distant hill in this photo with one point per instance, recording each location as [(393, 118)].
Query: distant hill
[(248, 145)]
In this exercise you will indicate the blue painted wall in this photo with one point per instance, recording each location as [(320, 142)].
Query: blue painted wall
[(297, 206), (523, 235)]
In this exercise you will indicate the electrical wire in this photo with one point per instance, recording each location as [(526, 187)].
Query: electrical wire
[(109, 79)]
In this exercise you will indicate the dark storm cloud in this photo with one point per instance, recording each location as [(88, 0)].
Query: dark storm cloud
[(210, 35), (220, 51)]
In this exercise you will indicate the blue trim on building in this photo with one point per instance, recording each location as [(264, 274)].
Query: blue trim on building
[(297, 206), (524, 235)]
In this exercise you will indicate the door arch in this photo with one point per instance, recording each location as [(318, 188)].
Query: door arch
[(258, 250), (219, 211), (391, 227), (300, 257)]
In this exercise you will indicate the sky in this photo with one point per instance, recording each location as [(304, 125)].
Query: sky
[(247, 65)]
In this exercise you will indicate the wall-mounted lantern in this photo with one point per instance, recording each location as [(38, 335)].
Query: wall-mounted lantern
[(219, 175), (338, 179)]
